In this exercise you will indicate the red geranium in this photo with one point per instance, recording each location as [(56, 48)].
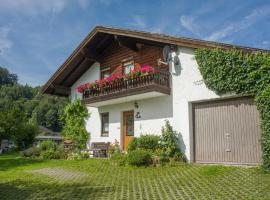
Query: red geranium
[(137, 72), (80, 88)]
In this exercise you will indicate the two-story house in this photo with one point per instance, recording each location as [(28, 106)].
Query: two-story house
[(152, 78)]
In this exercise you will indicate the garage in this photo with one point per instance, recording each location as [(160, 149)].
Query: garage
[(226, 131)]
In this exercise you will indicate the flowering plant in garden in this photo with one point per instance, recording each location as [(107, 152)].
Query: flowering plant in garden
[(137, 72), (114, 148)]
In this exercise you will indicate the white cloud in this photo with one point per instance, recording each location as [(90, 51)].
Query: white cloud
[(188, 23), (137, 21), (5, 42), (32, 7), (235, 27)]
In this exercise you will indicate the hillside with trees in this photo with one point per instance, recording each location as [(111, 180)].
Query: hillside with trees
[(23, 108)]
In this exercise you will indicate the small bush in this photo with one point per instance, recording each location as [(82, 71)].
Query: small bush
[(74, 156), (47, 145), (50, 154), (145, 142), (149, 142), (60, 152), (133, 145), (31, 152), (170, 141), (139, 158), (84, 154), (180, 157), (119, 159), (114, 148)]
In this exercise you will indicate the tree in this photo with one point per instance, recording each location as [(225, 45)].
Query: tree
[(47, 111), (14, 126), (74, 117), (22, 108), (6, 77)]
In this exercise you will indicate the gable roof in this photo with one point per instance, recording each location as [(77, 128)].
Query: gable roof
[(77, 63)]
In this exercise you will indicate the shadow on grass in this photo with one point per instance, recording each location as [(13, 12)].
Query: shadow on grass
[(20, 189), (8, 162)]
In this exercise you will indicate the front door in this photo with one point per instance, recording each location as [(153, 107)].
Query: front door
[(127, 128)]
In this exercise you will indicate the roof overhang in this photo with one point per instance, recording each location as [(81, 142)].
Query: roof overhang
[(100, 37)]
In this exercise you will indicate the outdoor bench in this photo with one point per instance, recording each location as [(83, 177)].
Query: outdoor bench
[(99, 149)]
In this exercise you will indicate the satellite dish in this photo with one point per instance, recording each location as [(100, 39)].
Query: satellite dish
[(166, 54), (176, 60)]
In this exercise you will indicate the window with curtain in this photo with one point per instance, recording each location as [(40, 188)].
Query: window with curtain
[(128, 66), (104, 124)]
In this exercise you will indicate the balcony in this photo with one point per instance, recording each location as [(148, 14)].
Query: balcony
[(137, 88)]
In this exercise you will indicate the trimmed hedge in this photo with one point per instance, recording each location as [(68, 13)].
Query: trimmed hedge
[(232, 71)]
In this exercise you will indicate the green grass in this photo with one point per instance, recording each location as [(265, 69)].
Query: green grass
[(103, 180)]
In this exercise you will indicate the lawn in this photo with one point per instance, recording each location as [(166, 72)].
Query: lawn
[(98, 179)]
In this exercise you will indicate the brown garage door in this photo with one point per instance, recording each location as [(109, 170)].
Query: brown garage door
[(227, 131)]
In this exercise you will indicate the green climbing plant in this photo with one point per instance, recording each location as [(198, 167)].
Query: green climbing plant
[(74, 117), (233, 71)]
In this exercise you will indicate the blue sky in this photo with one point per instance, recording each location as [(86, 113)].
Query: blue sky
[(36, 36)]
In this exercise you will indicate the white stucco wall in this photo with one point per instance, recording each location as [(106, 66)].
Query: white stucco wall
[(187, 86), (90, 75), (153, 112)]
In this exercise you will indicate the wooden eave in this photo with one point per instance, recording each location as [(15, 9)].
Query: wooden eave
[(84, 55)]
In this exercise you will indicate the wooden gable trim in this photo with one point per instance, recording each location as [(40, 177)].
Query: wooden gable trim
[(154, 37)]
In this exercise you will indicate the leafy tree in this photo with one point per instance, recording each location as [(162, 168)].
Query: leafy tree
[(74, 116), (47, 111), (22, 108), (14, 126), (6, 77)]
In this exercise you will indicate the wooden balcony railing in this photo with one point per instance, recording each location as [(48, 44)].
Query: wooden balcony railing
[(159, 79)]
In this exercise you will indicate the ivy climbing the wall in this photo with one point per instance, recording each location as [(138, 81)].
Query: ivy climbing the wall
[(232, 71)]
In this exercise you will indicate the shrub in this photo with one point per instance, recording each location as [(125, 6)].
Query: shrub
[(60, 152), (149, 142), (139, 158), (31, 152), (49, 154), (263, 104), (160, 160), (47, 145), (74, 118), (119, 159), (74, 156), (169, 141), (133, 145), (179, 156), (114, 148), (145, 142), (84, 154)]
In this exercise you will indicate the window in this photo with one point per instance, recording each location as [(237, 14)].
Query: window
[(128, 66), (105, 73), (104, 124)]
